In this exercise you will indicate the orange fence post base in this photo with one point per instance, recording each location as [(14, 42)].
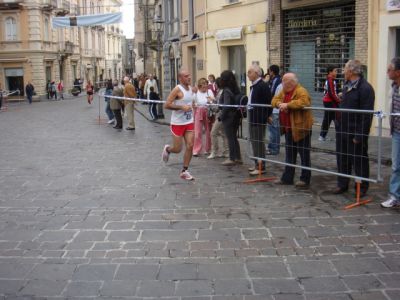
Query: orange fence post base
[(358, 202), (260, 178)]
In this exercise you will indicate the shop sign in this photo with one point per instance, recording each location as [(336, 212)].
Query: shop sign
[(393, 5), (14, 72), (200, 64), (305, 23), (289, 4), (229, 34)]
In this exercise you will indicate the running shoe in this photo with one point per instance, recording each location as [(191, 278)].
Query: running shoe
[(186, 175), (391, 202), (165, 154)]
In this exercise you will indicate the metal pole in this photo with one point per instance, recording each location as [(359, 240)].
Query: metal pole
[(160, 112), (380, 119)]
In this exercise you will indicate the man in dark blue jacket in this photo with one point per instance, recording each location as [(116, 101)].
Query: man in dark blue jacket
[(260, 93), (353, 128)]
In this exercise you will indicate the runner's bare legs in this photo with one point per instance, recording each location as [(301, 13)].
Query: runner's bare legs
[(189, 141)]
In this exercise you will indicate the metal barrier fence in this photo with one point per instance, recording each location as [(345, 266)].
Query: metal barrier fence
[(350, 148)]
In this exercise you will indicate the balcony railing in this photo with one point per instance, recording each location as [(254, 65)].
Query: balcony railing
[(49, 4)]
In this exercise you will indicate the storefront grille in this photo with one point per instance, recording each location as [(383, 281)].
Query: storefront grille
[(315, 38)]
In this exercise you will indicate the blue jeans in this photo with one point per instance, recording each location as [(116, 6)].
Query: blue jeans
[(394, 186), (109, 112), (274, 135)]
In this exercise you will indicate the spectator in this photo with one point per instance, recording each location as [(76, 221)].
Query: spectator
[(116, 105), (296, 124), (258, 116), (273, 120), (393, 71), (151, 82), (129, 92), (217, 129), (48, 89), (353, 128), (230, 117), (202, 98), (153, 105), (53, 90), (1, 97), (108, 92), (212, 85), (29, 90), (330, 100)]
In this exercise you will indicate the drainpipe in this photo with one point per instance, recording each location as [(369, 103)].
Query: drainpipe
[(268, 23), (204, 37)]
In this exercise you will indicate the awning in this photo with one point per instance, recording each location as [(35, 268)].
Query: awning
[(229, 34)]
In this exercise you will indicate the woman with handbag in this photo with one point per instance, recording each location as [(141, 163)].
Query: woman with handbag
[(201, 120), (217, 130)]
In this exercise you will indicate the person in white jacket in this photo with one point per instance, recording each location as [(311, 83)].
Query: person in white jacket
[(151, 82)]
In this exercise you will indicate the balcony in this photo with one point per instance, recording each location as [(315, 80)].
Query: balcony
[(49, 5), (10, 4), (63, 8)]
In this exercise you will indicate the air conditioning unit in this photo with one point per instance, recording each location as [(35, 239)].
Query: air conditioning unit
[(184, 28)]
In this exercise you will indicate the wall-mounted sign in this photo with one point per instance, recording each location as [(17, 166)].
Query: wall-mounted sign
[(229, 34), (304, 23), (393, 5), (289, 4), (200, 64)]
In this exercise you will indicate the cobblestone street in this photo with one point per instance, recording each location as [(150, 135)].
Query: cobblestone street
[(89, 212)]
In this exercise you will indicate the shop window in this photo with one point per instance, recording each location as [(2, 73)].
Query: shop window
[(11, 29)]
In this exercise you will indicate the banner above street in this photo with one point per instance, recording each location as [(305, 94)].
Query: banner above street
[(87, 20)]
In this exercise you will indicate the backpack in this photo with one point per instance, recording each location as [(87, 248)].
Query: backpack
[(242, 100)]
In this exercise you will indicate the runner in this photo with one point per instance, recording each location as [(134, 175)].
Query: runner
[(180, 101)]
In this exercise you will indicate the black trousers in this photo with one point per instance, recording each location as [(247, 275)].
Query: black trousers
[(257, 137), (153, 111), (118, 118), (329, 116), (349, 156), (231, 126), (293, 148)]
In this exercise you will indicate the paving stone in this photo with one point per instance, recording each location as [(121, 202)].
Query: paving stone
[(219, 235), (156, 288), (359, 266), (362, 282), (123, 236), (94, 272), (119, 288), (178, 272), (267, 270), (43, 288), (84, 236), (373, 295), (323, 285), (10, 287), (194, 288), (137, 272), (51, 272), (82, 289), (168, 235), (232, 287), (276, 286), (14, 270), (219, 271), (312, 268)]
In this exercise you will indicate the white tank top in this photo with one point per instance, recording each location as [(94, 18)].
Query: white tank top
[(180, 117)]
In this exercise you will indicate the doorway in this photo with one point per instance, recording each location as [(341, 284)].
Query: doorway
[(237, 64), (15, 80)]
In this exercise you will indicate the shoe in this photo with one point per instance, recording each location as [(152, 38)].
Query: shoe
[(250, 169), (391, 202), (255, 172), (117, 127), (239, 162), (301, 184), (186, 175), (211, 156), (111, 121), (321, 139), (195, 154), (165, 154), (130, 128), (280, 182), (228, 162), (339, 190)]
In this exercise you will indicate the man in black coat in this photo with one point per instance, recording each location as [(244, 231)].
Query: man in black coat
[(260, 93), (29, 90), (353, 128)]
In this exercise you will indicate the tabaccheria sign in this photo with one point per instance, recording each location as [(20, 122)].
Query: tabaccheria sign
[(305, 23)]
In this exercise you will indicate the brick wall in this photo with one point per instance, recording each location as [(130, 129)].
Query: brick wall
[(361, 31), (275, 30)]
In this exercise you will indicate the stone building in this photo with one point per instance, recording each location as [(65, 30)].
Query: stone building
[(31, 50)]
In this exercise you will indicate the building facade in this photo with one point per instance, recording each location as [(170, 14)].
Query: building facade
[(41, 53), (235, 37)]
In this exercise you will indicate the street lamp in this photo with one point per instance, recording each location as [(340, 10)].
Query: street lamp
[(158, 27)]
